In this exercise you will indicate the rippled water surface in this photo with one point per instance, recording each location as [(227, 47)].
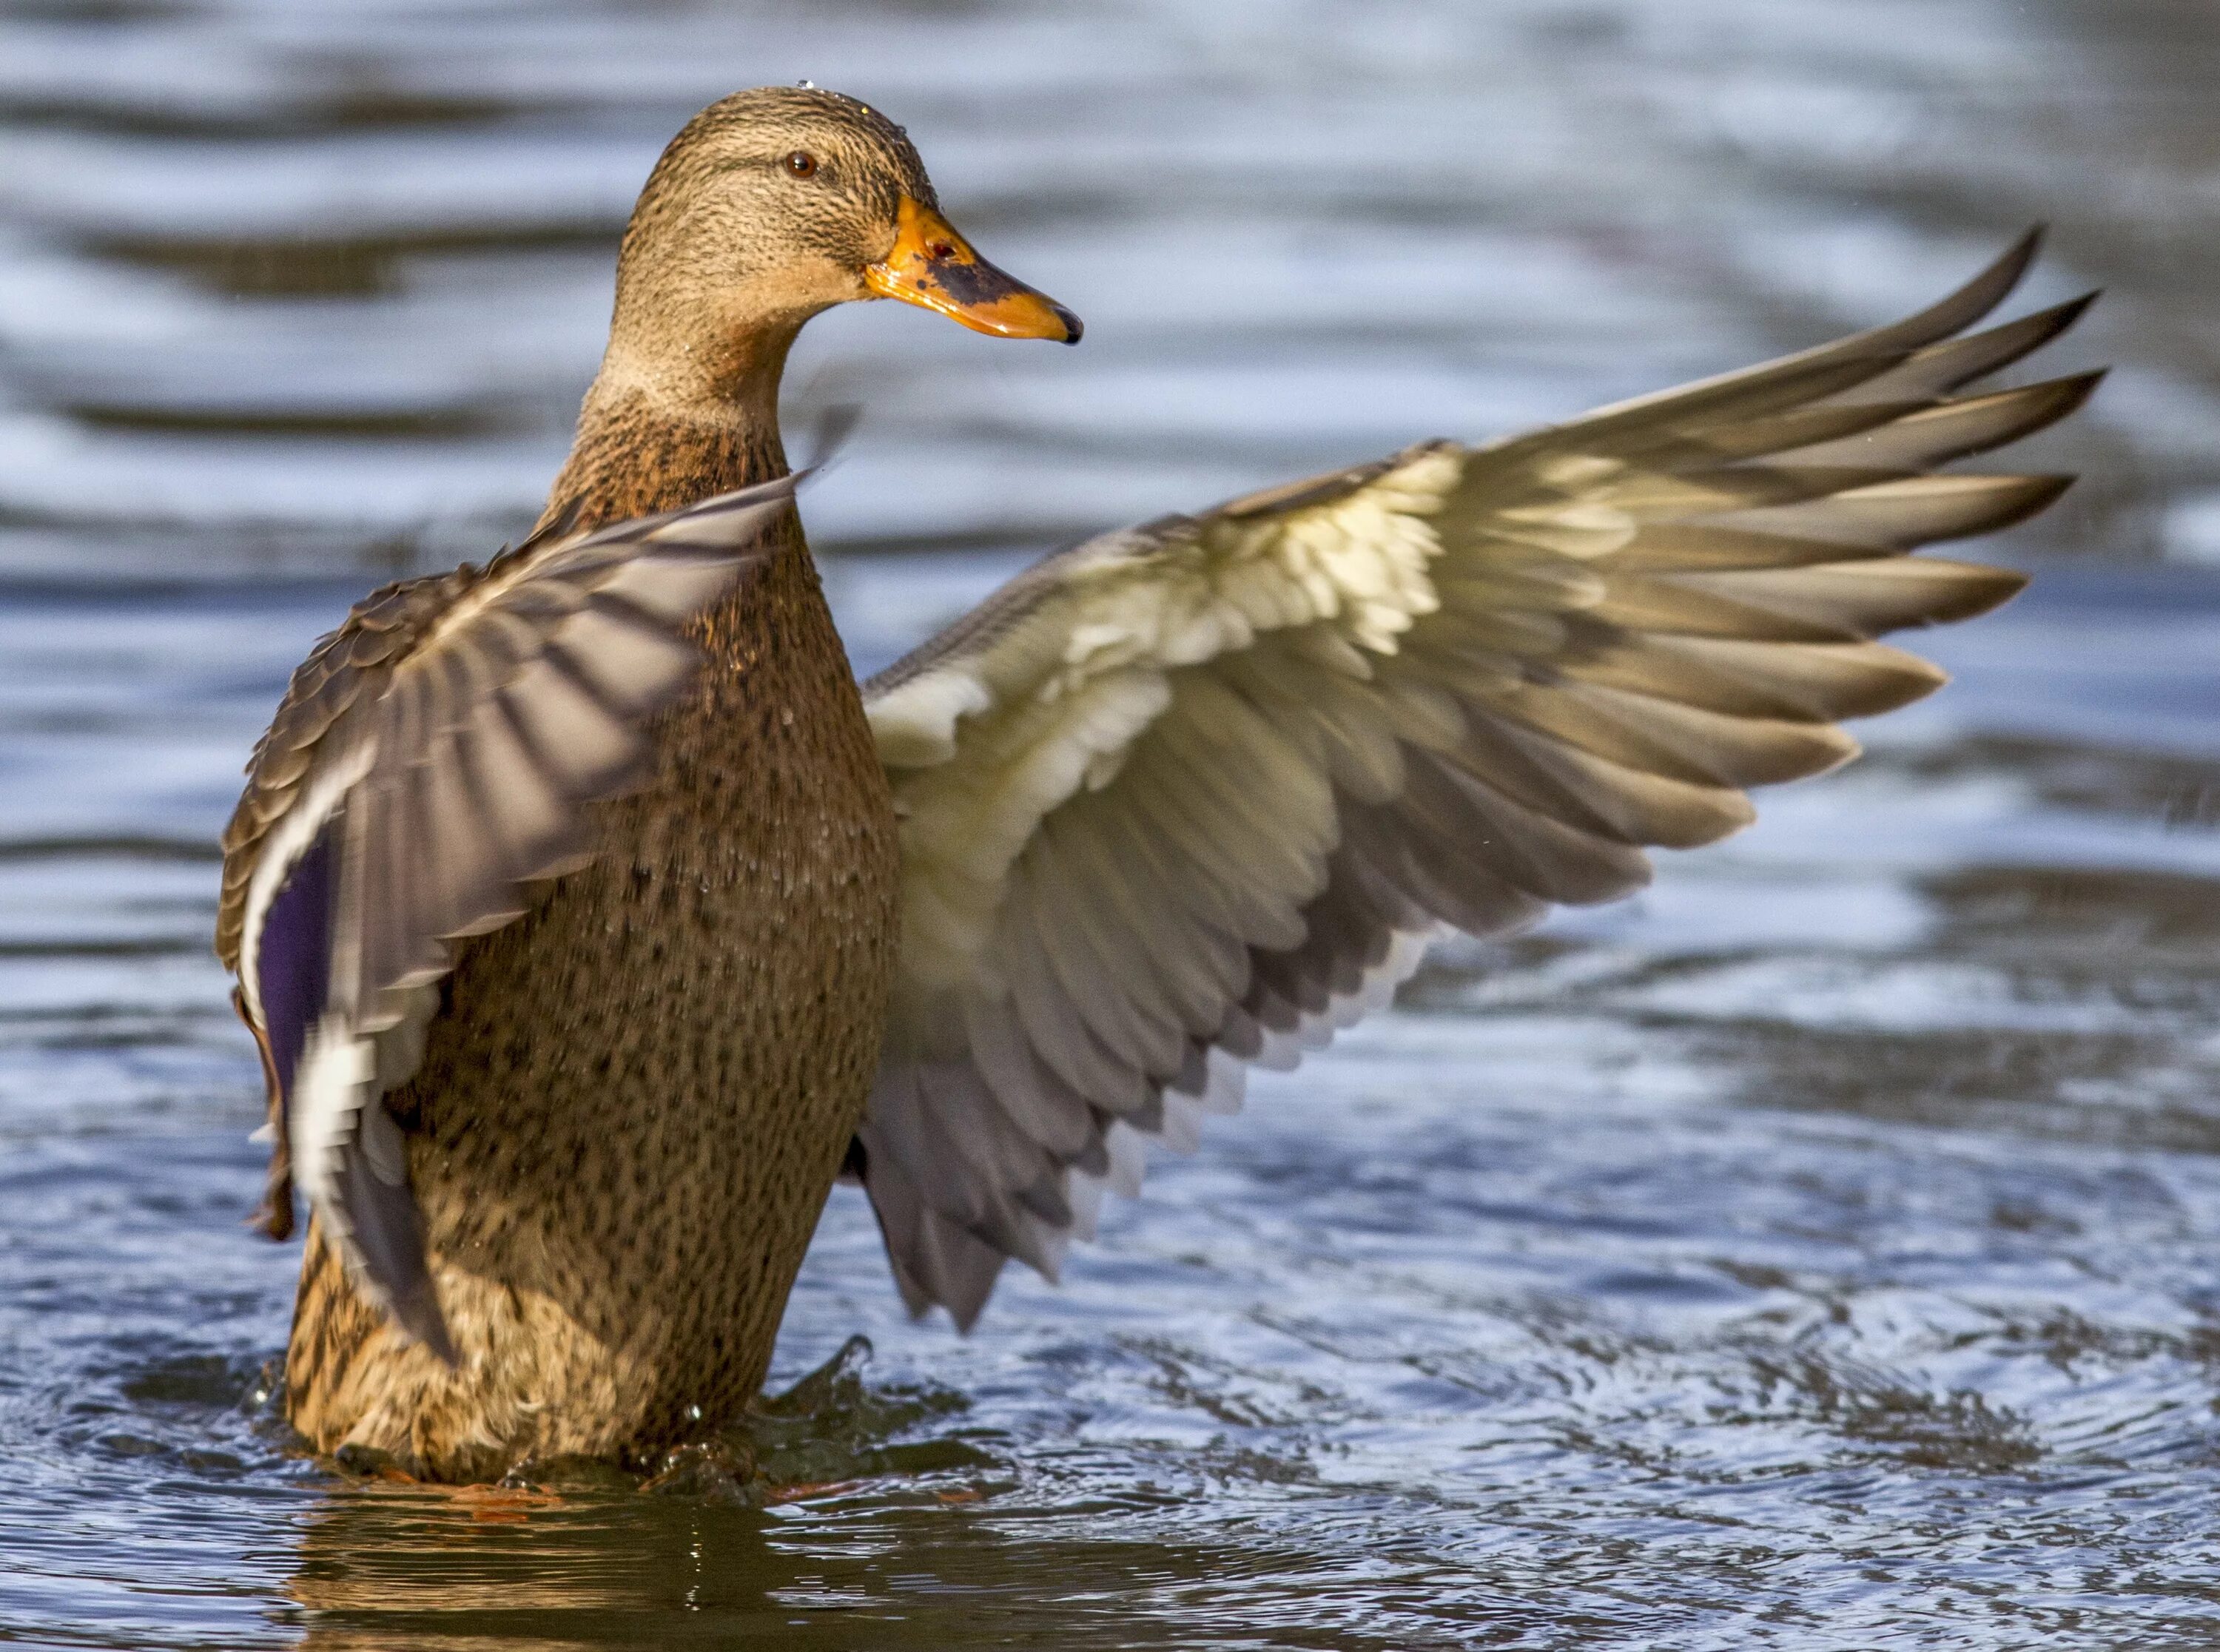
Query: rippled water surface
[(1819, 1252)]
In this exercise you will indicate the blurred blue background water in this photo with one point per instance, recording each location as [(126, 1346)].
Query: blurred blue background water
[(1818, 1251)]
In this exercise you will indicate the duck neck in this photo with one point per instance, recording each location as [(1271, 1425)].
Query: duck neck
[(662, 428)]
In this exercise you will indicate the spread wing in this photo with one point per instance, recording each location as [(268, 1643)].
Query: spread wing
[(431, 758), (1191, 796)]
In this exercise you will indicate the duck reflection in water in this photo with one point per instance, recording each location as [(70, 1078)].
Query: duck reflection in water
[(825, 1520)]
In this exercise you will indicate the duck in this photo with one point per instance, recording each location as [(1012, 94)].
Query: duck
[(593, 919)]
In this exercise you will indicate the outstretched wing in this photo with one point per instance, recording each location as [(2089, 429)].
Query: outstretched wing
[(1191, 796), (432, 756)]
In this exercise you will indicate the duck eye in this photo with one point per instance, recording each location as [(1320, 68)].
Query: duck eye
[(802, 163)]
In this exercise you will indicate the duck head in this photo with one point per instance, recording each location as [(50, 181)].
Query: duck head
[(774, 204)]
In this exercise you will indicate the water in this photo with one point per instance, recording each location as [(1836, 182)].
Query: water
[(1816, 1252)]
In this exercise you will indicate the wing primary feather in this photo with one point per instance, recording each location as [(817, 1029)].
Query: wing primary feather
[(1861, 358), (1816, 681), (1922, 510), (375, 1224), (1941, 368), (1867, 599), (387, 1231), (1953, 430)]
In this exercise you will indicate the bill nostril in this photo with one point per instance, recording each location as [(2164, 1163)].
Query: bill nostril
[(940, 250)]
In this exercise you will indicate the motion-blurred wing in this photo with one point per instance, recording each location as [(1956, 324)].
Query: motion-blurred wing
[(1191, 796), (432, 756)]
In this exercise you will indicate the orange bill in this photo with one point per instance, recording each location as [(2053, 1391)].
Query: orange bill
[(934, 267)]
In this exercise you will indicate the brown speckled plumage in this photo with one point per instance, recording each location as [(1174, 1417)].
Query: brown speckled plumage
[(634, 1100), (636, 1097)]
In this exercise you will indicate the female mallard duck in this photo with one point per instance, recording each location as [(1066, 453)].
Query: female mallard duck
[(566, 1075)]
